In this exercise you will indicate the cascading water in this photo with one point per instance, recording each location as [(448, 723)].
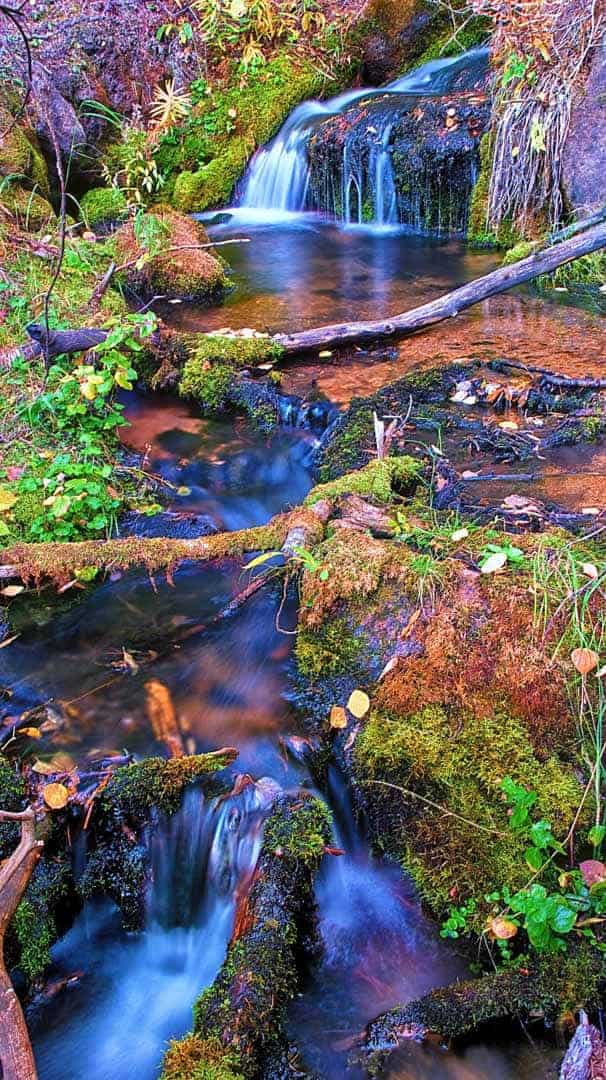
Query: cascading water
[(137, 992), (338, 156)]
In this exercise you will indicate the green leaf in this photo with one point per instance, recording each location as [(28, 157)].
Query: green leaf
[(541, 835), (596, 835), (534, 858), (563, 919), (4, 529)]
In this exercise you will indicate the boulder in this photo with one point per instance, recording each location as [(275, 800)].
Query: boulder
[(183, 270), (584, 164)]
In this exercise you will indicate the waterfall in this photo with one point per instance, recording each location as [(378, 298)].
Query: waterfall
[(138, 989), (337, 156)]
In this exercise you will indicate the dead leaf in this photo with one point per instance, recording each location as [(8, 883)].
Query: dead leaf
[(584, 660), (358, 704), (12, 590), (338, 717), (56, 796), (503, 929), (459, 534), (44, 768), (590, 570), (30, 732), (509, 425), (494, 563)]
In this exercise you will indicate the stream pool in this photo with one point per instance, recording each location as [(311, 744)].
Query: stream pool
[(228, 683)]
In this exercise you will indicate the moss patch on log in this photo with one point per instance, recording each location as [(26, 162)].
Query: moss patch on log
[(134, 789), (381, 479)]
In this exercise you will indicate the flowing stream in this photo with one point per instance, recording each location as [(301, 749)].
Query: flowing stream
[(228, 680), (281, 180)]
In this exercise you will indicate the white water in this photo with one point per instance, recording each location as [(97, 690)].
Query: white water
[(137, 990), (279, 176)]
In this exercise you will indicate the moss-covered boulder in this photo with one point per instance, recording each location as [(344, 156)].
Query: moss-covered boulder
[(103, 209), (169, 255), (211, 374)]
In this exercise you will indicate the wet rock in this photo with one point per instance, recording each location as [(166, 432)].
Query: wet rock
[(584, 164)]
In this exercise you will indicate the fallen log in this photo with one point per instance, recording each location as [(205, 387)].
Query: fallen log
[(16, 1056), (451, 303), (461, 1009), (552, 378), (60, 562)]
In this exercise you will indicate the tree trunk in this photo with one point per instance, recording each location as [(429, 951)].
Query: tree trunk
[(16, 1056), (449, 305)]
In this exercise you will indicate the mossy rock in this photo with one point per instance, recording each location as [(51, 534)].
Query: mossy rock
[(134, 789), (218, 139), (103, 209), (20, 155), (211, 370), (44, 910), (12, 795), (380, 480), (31, 210), (175, 259)]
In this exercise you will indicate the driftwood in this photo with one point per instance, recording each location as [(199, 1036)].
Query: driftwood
[(552, 378), (450, 304), (16, 1056)]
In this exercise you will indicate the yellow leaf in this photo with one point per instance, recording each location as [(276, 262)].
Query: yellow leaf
[(62, 762), (494, 563), (30, 732), (7, 499), (358, 704), (338, 717), (13, 590), (460, 534), (584, 660), (56, 796)]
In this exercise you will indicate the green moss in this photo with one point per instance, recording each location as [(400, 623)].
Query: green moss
[(192, 1058), (12, 794), (33, 924), (380, 479), (458, 761), (103, 207), (20, 155), (209, 153), (479, 232), (302, 836), (210, 371), (521, 250), (134, 789), (330, 650), (475, 32), (32, 211)]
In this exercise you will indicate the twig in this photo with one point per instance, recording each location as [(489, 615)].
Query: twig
[(436, 806)]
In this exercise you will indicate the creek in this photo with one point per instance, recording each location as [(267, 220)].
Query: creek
[(229, 681)]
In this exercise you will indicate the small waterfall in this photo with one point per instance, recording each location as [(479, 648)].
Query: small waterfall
[(138, 990), (339, 156)]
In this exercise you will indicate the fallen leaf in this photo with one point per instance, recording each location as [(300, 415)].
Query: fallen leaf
[(390, 665), (459, 534), (325, 354), (509, 425), (56, 796), (30, 732), (338, 717), (590, 569), (12, 590), (503, 929), (44, 768), (494, 563), (584, 660), (358, 704)]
